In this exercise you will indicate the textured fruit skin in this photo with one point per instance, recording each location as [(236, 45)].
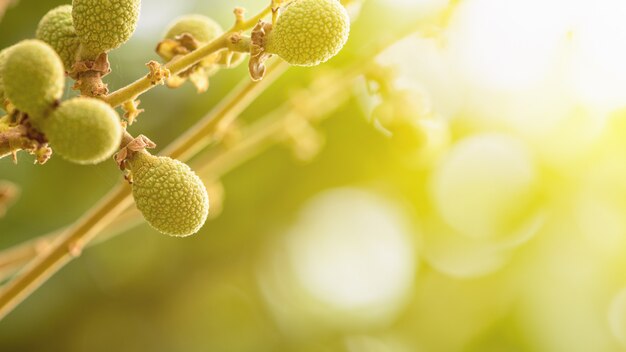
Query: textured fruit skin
[(33, 77), (202, 28), (3, 58), (171, 197), (83, 130), (309, 32), (103, 25), (57, 29)]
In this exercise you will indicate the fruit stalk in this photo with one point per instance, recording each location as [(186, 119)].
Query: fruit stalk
[(66, 247), (142, 85), (71, 241), (256, 139)]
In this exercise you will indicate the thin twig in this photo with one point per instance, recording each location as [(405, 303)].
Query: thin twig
[(145, 83), (211, 166), (273, 128), (223, 115), (64, 248), (73, 240)]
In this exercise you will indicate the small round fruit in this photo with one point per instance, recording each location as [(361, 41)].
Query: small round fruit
[(83, 130), (33, 77), (57, 29), (309, 32), (201, 28), (4, 53), (104, 25), (171, 197)]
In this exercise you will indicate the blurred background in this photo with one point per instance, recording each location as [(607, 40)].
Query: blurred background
[(468, 194)]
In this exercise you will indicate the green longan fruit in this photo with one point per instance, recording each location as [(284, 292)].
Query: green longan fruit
[(309, 32), (201, 28), (33, 77), (57, 29), (103, 25), (204, 30), (171, 197), (83, 130), (3, 58)]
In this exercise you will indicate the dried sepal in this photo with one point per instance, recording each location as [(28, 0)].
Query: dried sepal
[(158, 73), (198, 74), (169, 49), (18, 136), (131, 111), (138, 144), (88, 76), (258, 54), (184, 35)]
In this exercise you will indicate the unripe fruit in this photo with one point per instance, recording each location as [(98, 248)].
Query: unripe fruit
[(171, 197), (33, 77), (309, 32), (83, 130), (57, 29), (201, 28), (186, 34), (104, 25), (204, 30), (3, 58)]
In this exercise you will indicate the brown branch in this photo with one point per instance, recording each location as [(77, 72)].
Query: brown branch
[(72, 240), (20, 136)]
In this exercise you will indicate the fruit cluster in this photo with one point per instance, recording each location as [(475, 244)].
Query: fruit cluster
[(184, 35), (74, 40), (83, 130)]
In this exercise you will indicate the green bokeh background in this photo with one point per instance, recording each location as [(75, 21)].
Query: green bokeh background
[(144, 291)]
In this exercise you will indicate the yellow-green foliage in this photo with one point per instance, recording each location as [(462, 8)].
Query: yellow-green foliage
[(33, 77), (103, 25), (201, 28), (57, 29), (171, 197), (83, 130), (309, 32)]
